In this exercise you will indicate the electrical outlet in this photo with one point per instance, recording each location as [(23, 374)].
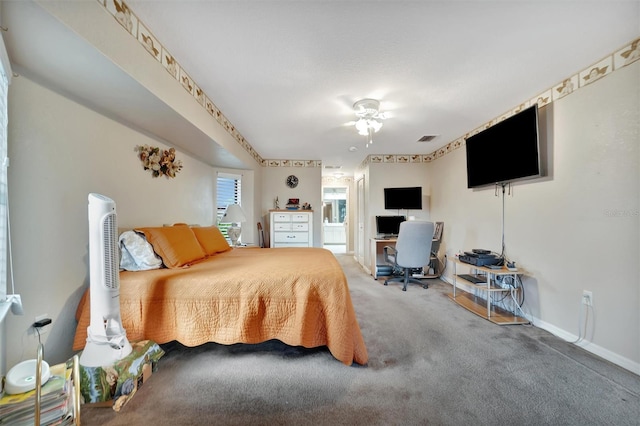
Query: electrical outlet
[(42, 330), (587, 298)]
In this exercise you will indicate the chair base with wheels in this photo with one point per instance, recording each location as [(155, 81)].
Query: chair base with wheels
[(406, 279)]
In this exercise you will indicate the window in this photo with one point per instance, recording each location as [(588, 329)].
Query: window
[(229, 192)]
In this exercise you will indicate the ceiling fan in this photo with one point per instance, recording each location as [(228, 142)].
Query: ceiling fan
[(369, 118)]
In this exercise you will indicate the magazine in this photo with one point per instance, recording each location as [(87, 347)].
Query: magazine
[(56, 401)]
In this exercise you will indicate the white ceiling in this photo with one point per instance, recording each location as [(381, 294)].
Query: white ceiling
[(286, 73)]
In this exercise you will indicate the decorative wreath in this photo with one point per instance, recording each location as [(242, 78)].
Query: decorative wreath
[(159, 162)]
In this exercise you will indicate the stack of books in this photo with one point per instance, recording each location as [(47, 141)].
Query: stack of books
[(56, 401)]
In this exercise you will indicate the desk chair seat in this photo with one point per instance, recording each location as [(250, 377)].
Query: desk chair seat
[(412, 250)]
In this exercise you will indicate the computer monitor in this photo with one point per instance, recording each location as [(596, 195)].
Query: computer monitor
[(388, 225)]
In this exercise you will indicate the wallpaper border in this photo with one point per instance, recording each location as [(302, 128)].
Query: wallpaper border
[(620, 58)]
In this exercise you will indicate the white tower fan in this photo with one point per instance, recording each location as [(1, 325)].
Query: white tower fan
[(106, 338)]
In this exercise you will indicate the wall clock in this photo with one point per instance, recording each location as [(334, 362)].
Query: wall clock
[(292, 181)]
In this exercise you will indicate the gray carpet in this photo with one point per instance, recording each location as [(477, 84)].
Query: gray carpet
[(430, 362)]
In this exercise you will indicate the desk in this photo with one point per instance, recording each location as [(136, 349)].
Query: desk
[(377, 259), (377, 253)]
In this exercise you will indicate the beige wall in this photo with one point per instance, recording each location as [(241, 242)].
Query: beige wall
[(573, 230), (309, 190), (576, 229), (61, 151), (142, 72), (392, 175)]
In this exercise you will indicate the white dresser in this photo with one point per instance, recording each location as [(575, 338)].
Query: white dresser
[(291, 228)]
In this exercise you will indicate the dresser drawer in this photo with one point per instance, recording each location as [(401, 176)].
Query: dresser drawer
[(299, 226), (282, 226), (282, 217), (291, 237), (290, 226), (276, 245), (300, 217)]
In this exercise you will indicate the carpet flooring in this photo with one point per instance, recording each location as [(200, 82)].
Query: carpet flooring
[(431, 362)]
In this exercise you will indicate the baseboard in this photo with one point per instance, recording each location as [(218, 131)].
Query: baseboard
[(588, 346)]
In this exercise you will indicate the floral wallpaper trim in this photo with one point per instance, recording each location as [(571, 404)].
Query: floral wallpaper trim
[(130, 22), (291, 163), (629, 54), (122, 13)]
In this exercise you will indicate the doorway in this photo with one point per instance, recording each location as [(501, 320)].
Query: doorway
[(360, 222), (334, 219)]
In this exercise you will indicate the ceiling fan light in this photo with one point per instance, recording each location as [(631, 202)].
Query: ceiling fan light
[(367, 111), (362, 126), (375, 125)]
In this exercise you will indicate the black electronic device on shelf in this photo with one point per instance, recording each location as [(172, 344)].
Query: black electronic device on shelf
[(473, 278), (480, 259), (481, 251), (479, 255)]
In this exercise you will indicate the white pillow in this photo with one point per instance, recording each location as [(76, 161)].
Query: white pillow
[(136, 254)]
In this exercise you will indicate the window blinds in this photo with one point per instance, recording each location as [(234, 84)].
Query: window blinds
[(228, 192)]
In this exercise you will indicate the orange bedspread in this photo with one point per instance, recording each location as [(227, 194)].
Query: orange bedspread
[(299, 296)]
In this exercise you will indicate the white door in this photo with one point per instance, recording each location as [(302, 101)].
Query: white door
[(360, 228)]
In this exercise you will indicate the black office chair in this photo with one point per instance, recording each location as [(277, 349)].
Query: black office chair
[(412, 250)]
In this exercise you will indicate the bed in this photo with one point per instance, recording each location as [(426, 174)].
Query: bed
[(298, 296)]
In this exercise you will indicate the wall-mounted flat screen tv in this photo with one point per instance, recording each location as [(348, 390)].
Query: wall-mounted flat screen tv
[(388, 225), (403, 198), (505, 152)]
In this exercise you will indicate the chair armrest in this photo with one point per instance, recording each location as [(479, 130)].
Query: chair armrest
[(390, 254)]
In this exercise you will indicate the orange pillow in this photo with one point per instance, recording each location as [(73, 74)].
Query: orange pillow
[(211, 239), (176, 245)]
